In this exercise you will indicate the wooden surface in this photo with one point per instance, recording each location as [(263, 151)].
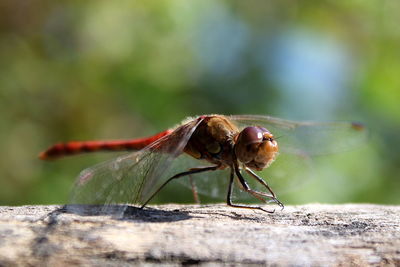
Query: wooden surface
[(329, 235)]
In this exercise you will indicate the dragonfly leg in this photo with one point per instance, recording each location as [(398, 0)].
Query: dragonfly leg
[(264, 183), (229, 197), (194, 190), (256, 194), (191, 171)]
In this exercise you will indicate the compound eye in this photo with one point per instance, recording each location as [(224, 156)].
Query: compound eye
[(251, 135)]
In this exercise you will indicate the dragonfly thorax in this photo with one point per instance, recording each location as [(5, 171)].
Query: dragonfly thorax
[(213, 141)]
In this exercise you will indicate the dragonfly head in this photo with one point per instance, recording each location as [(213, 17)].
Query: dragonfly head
[(256, 147)]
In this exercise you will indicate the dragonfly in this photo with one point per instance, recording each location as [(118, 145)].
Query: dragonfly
[(241, 145)]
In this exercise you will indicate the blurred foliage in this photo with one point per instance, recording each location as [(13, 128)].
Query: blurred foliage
[(73, 70)]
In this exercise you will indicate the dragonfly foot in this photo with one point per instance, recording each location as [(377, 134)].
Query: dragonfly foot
[(267, 211)]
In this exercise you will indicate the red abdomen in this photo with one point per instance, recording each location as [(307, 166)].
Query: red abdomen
[(77, 147)]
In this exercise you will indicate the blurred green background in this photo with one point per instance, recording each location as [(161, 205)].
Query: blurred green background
[(79, 70)]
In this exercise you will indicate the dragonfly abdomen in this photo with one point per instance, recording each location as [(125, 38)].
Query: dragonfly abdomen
[(78, 147)]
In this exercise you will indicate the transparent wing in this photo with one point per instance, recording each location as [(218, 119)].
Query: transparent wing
[(132, 178), (308, 138), (293, 168)]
